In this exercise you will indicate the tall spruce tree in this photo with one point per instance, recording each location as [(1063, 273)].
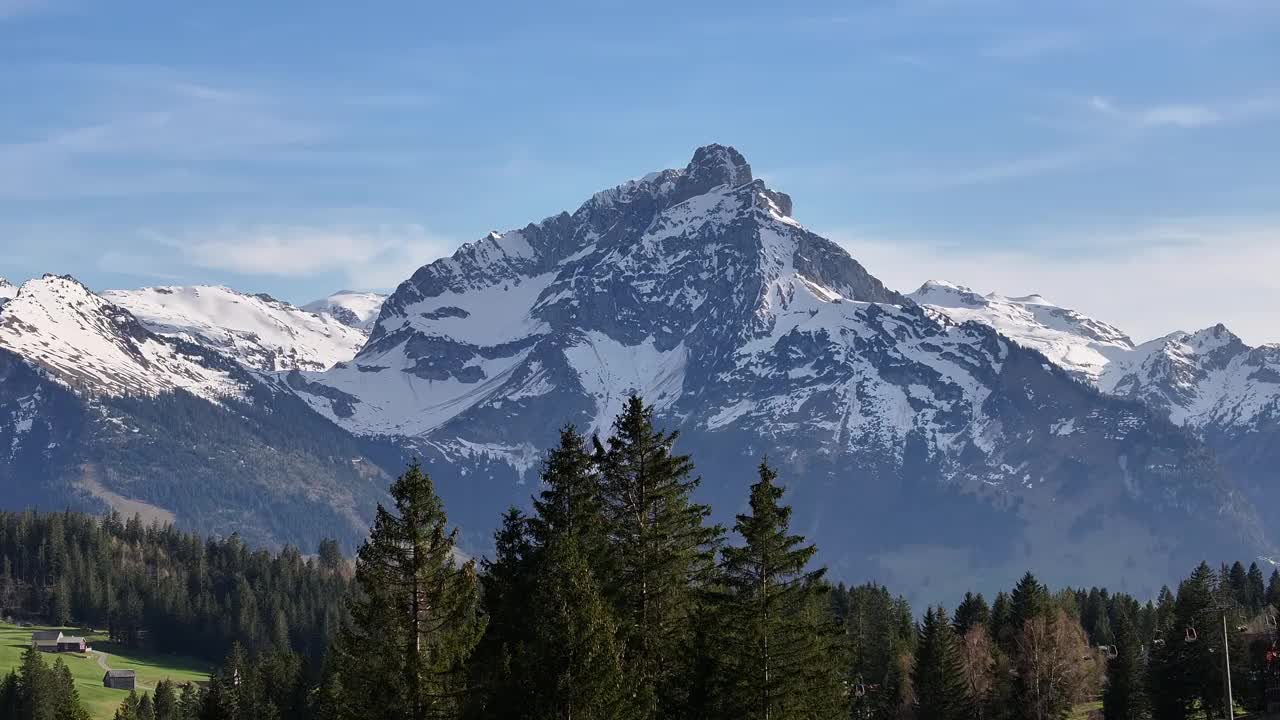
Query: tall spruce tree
[(572, 664), (662, 554), (1125, 697), (971, 612), (571, 503), (67, 697), (937, 676), (1257, 593), (416, 617), (782, 659), (1001, 616), (1029, 600), (497, 689)]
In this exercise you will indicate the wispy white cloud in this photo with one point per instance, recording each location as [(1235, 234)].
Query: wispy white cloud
[(1189, 115), (373, 256), (1147, 278), (144, 129), (999, 171)]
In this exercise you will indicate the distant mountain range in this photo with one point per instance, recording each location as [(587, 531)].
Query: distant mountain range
[(931, 440)]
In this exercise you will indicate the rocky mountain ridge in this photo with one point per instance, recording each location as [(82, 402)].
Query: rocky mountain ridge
[(919, 447)]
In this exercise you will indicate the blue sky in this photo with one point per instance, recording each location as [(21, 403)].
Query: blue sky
[(1119, 157)]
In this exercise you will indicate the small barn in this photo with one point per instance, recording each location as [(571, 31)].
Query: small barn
[(71, 643), (120, 679), (46, 640)]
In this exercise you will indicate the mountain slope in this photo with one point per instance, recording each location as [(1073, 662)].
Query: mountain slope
[(1075, 342), (98, 411), (916, 448), (354, 309), (88, 343), (1209, 381), (257, 330), (7, 291)]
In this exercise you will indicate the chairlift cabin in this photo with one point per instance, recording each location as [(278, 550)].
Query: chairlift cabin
[(1192, 635)]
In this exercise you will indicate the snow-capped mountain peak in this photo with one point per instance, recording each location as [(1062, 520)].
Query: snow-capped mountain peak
[(1074, 341), (7, 291), (1206, 379), (350, 307), (258, 331), (1209, 380), (90, 344)]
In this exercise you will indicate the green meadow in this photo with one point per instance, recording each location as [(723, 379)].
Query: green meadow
[(100, 701)]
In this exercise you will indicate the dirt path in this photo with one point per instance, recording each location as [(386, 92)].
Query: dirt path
[(102, 663)]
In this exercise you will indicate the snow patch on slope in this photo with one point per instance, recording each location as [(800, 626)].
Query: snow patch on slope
[(258, 331), (90, 344), (610, 371), (355, 309), (1073, 341)]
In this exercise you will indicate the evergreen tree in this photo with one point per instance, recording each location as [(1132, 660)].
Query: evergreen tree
[(1257, 590), (1028, 600), (67, 697), (572, 664), (971, 612), (571, 502), (1001, 617), (330, 555), (166, 701), (416, 619), (498, 692), (189, 702), (37, 696), (662, 557), (128, 709), (781, 643), (1125, 696), (938, 677), (879, 637), (1096, 618), (1273, 589), (1237, 585)]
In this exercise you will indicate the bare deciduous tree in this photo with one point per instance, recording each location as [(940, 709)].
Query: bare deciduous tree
[(1056, 667)]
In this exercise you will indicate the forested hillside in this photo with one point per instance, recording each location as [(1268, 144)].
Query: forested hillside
[(615, 596), (166, 590)]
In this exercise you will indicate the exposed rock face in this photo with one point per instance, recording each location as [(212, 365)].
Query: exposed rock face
[(917, 449)]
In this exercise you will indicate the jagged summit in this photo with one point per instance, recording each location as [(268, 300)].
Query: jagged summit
[(719, 165), (918, 449), (672, 219)]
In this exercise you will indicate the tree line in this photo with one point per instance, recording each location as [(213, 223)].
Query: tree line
[(162, 589), (617, 597)]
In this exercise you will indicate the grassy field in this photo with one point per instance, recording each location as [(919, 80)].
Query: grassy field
[(1081, 712), (102, 702)]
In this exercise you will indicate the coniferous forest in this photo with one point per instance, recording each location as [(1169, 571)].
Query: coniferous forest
[(615, 597)]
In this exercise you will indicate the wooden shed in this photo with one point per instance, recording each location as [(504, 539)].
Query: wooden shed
[(120, 679)]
